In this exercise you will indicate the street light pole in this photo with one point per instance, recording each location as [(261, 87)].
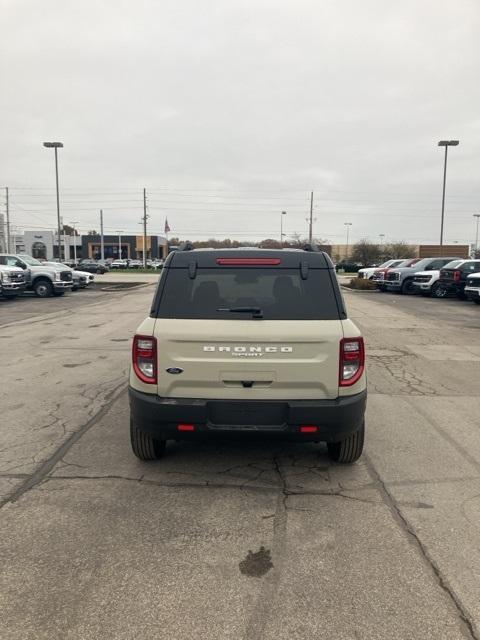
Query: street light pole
[(120, 244), (348, 225), (56, 145), (284, 213), (477, 216), (73, 223), (446, 144)]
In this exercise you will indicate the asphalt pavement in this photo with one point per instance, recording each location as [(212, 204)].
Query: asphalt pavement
[(237, 540)]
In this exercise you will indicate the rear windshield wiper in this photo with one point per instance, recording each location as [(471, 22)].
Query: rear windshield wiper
[(255, 311)]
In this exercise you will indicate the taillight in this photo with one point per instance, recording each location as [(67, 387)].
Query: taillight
[(144, 358), (457, 275), (352, 361)]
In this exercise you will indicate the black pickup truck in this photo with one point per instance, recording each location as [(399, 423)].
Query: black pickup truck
[(453, 281)]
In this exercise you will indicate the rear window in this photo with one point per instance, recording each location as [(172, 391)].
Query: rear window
[(275, 294)]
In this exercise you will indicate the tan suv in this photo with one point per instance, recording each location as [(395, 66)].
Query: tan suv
[(248, 341)]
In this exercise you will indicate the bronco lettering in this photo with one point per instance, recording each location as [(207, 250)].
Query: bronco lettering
[(259, 350)]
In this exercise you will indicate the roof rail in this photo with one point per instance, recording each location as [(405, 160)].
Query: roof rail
[(310, 246), (186, 246)]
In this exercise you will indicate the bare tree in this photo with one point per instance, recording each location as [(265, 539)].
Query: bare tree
[(365, 252), (399, 250)]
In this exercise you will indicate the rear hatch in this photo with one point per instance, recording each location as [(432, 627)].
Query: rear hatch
[(248, 331)]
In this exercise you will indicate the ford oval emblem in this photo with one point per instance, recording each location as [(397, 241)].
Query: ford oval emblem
[(174, 370)]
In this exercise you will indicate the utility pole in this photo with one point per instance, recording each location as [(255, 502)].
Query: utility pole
[(284, 213), (144, 228), (310, 225), (7, 208), (102, 249)]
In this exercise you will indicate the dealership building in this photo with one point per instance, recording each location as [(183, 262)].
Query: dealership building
[(43, 245)]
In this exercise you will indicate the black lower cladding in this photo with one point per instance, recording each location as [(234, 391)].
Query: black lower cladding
[(335, 419)]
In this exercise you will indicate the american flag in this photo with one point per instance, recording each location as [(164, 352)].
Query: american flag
[(167, 228)]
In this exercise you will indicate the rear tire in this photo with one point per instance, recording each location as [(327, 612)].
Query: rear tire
[(43, 288), (348, 450), (144, 445)]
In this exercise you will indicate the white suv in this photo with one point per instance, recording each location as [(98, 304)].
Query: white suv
[(248, 341)]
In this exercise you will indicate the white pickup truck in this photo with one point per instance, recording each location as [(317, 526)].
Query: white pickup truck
[(43, 280), (12, 281)]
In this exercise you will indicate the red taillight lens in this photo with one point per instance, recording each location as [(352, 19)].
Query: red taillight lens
[(144, 358), (352, 361), (248, 262), (457, 275)]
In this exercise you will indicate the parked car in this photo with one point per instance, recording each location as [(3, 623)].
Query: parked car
[(368, 272), (379, 274), (472, 288), (119, 264), (400, 279), (157, 263), (284, 359), (135, 264), (81, 279), (426, 282), (12, 281), (44, 280), (91, 267), (453, 281)]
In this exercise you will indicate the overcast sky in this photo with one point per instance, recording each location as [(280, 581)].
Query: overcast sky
[(230, 111)]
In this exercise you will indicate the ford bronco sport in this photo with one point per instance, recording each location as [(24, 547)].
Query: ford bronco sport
[(248, 341)]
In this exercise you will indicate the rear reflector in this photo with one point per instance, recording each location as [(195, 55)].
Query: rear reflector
[(186, 427), (308, 428), (248, 262)]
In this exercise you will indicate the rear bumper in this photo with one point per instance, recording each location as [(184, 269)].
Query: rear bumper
[(335, 419)]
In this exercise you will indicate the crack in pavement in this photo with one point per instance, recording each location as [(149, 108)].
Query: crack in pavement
[(44, 469), (261, 612), (469, 626)]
